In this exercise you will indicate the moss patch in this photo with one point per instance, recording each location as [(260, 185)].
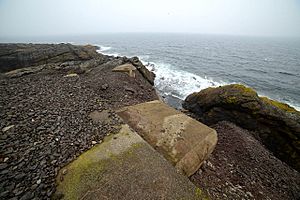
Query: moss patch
[(281, 106), (85, 172), (231, 100), (244, 89)]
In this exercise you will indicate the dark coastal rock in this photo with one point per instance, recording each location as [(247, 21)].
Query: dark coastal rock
[(277, 124), (15, 56), (150, 76)]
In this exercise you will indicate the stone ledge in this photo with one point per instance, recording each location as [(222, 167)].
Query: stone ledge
[(124, 166), (183, 141)]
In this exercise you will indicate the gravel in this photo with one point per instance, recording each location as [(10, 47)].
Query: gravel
[(242, 168), (45, 123)]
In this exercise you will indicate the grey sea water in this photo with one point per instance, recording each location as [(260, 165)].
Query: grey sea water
[(185, 63)]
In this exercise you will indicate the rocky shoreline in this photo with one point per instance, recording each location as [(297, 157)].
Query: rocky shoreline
[(45, 110), (49, 95)]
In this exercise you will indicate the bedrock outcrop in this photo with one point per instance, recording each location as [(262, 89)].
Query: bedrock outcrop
[(14, 56), (277, 124), (22, 59)]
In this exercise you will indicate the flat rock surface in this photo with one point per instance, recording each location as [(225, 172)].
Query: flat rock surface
[(123, 166), (242, 168), (185, 142)]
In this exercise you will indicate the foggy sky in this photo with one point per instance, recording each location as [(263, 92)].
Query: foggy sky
[(63, 17)]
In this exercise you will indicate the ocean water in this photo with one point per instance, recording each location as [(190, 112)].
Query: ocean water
[(186, 63)]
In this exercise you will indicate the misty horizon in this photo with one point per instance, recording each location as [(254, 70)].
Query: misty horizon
[(33, 18)]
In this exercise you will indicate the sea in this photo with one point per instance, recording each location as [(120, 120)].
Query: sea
[(187, 63)]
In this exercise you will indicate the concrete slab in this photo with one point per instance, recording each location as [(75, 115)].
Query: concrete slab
[(124, 166), (185, 142), (126, 68)]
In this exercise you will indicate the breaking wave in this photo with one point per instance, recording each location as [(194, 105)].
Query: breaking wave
[(176, 82)]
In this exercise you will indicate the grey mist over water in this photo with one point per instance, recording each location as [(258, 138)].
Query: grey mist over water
[(78, 17)]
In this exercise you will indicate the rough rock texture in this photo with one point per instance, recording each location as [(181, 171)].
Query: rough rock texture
[(150, 76), (46, 118), (277, 124), (14, 56), (185, 142), (241, 167), (123, 166)]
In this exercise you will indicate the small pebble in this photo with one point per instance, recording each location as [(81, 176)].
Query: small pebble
[(7, 128), (65, 171)]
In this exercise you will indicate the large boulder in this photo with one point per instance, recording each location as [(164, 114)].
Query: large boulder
[(277, 124), (15, 56)]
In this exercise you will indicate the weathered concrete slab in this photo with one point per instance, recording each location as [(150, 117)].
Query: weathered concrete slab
[(183, 141), (126, 68), (124, 166)]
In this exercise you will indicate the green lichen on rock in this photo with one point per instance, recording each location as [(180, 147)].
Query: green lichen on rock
[(277, 123), (85, 172), (231, 99), (243, 89), (279, 105), (123, 166)]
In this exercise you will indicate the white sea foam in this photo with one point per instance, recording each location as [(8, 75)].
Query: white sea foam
[(104, 49), (111, 54), (176, 82)]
